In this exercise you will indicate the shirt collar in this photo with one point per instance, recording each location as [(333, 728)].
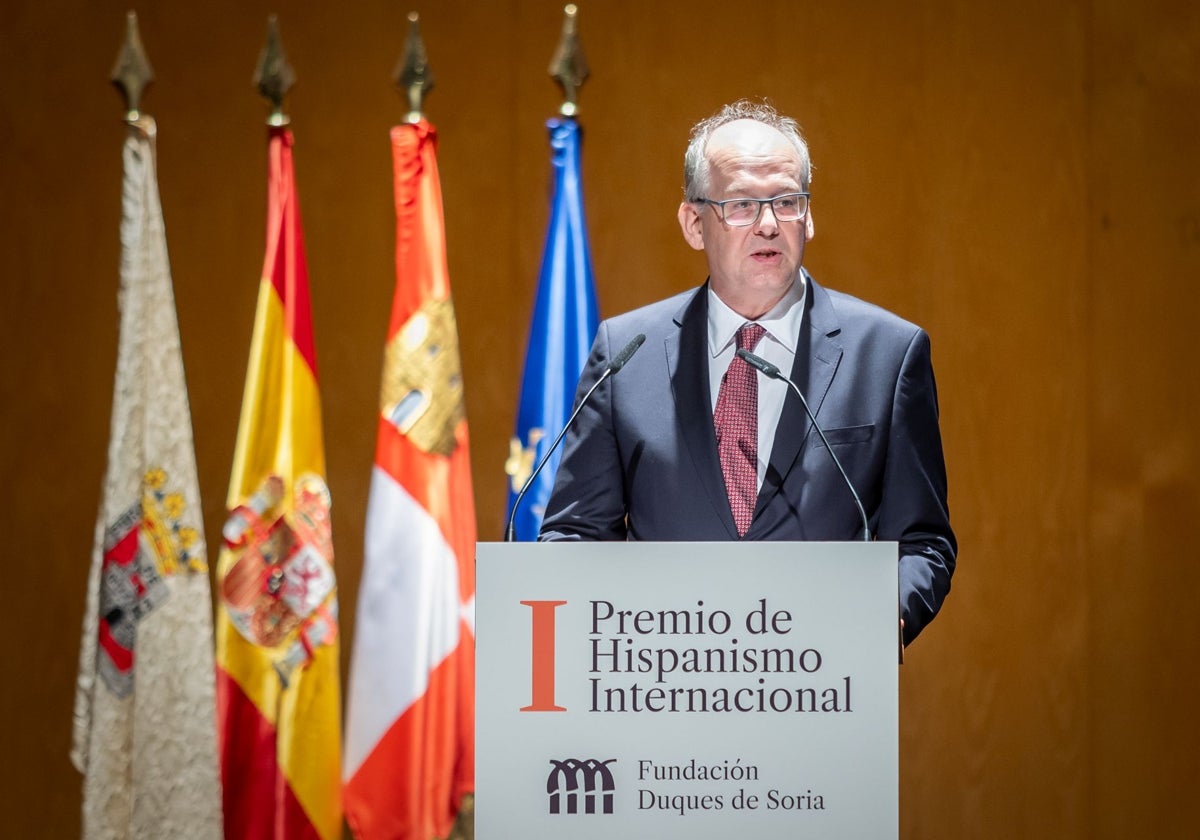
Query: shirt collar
[(782, 322)]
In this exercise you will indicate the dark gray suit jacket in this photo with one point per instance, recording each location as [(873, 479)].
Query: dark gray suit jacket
[(641, 460)]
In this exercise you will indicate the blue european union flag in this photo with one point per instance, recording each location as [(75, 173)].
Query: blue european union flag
[(565, 318)]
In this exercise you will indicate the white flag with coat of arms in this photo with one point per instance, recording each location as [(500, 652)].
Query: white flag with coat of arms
[(144, 730)]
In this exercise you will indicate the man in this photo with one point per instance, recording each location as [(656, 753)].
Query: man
[(690, 443)]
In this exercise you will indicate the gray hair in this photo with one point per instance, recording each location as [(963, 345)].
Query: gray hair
[(695, 160)]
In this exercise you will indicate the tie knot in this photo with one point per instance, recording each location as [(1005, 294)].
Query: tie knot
[(749, 335)]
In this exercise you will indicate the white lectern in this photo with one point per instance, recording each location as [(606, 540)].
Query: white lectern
[(699, 690)]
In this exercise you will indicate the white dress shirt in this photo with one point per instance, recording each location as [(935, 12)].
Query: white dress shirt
[(778, 347)]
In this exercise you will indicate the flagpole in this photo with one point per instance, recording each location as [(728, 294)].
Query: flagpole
[(277, 616), (565, 313), (569, 67), (145, 690), (409, 770), (132, 73), (274, 76), (413, 75)]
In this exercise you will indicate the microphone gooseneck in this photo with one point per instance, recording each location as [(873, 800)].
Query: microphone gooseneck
[(619, 361), (772, 372)]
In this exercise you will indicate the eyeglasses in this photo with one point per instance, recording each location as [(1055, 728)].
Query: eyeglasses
[(743, 212)]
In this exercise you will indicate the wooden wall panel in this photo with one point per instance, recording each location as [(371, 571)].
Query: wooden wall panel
[(1018, 178), (1144, 413), (991, 251)]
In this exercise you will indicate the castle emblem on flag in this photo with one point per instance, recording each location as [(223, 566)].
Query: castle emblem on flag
[(143, 547), (278, 589), (422, 388)]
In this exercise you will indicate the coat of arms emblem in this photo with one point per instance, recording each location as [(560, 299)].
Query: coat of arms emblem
[(279, 589)]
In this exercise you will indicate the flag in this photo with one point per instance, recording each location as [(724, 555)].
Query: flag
[(144, 734), (565, 318), (278, 699), (410, 736)]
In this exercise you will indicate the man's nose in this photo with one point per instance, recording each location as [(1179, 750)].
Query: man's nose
[(770, 225)]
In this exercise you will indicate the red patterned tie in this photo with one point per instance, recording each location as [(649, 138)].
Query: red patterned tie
[(736, 422)]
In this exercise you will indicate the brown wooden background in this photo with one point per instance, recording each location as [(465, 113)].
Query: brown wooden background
[(1019, 177)]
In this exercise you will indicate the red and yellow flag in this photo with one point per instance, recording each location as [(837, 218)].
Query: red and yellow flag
[(278, 699), (410, 737)]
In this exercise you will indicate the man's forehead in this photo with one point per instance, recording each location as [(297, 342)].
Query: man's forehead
[(749, 136), (747, 172), (748, 147)]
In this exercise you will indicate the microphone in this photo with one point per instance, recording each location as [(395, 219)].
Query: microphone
[(626, 354), (619, 361), (772, 372)]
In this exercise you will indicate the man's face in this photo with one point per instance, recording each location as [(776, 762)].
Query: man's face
[(751, 268)]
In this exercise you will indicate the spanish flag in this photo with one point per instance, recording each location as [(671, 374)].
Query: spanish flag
[(278, 699), (410, 737)]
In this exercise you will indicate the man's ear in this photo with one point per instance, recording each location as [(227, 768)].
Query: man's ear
[(689, 223), (809, 230)]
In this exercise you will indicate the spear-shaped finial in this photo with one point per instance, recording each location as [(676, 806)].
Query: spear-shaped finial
[(274, 77), (569, 67), (132, 72), (413, 76)]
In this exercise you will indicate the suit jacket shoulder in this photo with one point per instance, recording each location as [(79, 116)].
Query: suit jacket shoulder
[(852, 313), (655, 320)]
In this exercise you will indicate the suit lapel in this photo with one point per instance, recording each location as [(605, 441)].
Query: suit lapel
[(693, 401), (818, 353)]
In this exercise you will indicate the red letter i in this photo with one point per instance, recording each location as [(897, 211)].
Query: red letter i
[(543, 657)]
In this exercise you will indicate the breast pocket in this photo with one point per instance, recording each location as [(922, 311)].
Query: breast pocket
[(843, 435)]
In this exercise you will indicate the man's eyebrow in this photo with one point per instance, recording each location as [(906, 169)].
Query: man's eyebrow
[(742, 191)]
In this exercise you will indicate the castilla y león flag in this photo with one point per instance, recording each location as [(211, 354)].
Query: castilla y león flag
[(278, 698), (410, 723)]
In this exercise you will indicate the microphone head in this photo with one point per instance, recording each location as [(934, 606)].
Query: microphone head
[(758, 363), (626, 353)]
